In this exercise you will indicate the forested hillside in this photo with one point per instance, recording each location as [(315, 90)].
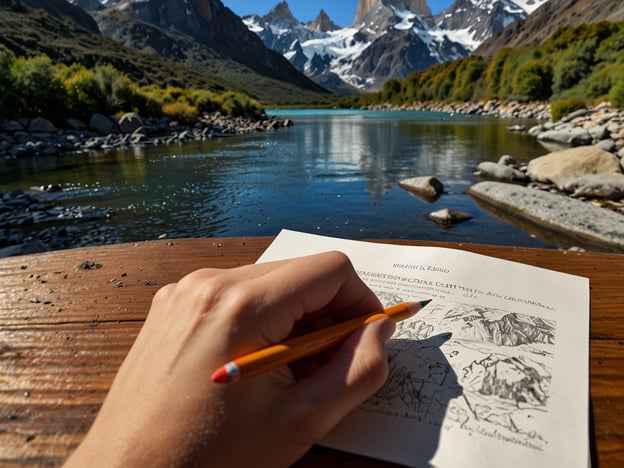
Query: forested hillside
[(583, 62), (29, 31)]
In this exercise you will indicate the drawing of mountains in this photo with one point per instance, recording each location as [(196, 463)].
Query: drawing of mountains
[(508, 378), (514, 330), (503, 329)]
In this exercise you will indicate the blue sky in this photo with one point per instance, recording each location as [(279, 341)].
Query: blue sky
[(342, 12)]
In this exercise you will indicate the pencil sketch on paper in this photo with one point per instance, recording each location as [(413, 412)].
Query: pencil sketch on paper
[(483, 370)]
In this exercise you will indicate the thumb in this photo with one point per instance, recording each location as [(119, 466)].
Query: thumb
[(356, 371)]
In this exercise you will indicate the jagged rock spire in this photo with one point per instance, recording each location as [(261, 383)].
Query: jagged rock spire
[(323, 23), (365, 7), (281, 12)]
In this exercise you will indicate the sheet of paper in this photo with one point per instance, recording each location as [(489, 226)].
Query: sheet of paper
[(493, 372)]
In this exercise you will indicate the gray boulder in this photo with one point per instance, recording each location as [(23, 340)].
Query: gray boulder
[(568, 135), (491, 170), (537, 129), (598, 132), (41, 125), (562, 167), (577, 219), (11, 126), (76, 124), (426, 186), (102, 124), (130, 122), (606, 145), (607, 186), (446, 216), (577, 113)]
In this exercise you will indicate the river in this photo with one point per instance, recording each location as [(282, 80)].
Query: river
[(335, 172)]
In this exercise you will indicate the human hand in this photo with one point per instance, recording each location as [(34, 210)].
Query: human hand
[(164, 409)]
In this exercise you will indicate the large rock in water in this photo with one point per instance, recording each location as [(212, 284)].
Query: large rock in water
[(572, 217), (425, 186), (447, 217), (562, 167)]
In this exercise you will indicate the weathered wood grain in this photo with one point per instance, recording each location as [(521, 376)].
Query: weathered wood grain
[(64, 331)]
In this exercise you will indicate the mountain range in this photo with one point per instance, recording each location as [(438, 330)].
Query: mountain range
[(276, 58), (387, 39)]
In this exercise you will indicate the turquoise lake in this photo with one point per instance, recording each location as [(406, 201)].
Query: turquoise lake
[(334, 173)]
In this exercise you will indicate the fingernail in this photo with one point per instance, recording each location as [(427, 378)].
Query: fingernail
[(387, 330)]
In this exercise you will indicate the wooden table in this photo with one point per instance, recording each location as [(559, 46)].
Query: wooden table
[(68, 318)]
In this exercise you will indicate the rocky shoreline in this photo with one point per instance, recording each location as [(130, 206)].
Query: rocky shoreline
[(494, 108), (33, 222), (586, 163), (40, 137)]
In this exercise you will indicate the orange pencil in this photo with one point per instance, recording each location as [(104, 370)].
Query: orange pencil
[(265, 359)]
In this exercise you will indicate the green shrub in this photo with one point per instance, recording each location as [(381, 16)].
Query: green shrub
[(7, 91), (468, 73), (237, 104), (204, 100), (569, 71), (38, 88), (82, 91), (616, 95), (494, 71), (391, 91), (181, 111), (115, 90), (148, 103), (610, 50), (532, 81), (560, 109), (173, 94), (599, 83)]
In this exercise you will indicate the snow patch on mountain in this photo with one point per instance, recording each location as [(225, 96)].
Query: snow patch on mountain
[(386, 30)]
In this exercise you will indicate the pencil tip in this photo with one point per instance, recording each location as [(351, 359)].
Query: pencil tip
[(415, 307)]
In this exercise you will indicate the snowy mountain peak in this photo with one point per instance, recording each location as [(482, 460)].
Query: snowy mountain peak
[(473, 21), (387, 39)]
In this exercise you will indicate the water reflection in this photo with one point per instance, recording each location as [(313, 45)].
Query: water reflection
[(334, 173)]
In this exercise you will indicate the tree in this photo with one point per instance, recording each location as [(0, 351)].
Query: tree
[(532, 81), (39, 89), (7, 91), (82, 89), (116, 91), (616, 95), (469, 73), (391, 91)]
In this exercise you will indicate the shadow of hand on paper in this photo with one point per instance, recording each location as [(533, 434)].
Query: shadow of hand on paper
[(418, 391), (402, 423)]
